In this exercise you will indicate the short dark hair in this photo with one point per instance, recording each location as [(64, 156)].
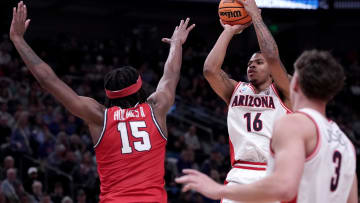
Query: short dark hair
[(320, 75), (118, 79)]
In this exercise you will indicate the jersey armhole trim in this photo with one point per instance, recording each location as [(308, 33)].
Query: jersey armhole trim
[(103, 130), (156, 123), (236, 87), (281, 101), (252, 87), (317, 146)]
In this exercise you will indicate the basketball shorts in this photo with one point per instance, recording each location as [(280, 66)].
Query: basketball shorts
[(244, 172)]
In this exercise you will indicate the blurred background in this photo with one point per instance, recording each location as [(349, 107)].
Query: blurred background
[(82, 40)]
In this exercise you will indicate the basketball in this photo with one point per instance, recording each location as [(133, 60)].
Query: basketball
[(233, 13)]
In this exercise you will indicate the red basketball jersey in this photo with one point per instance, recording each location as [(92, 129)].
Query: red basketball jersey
[(130, 156)]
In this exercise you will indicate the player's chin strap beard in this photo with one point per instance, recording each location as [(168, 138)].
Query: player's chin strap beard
[(116, 94)]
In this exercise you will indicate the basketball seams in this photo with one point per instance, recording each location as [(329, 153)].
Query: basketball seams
[(231, 21)]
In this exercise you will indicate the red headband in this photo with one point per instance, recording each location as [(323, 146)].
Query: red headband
[(126, 91)]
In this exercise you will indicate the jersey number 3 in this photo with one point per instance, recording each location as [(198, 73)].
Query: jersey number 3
[(139, 146), (335, 180)]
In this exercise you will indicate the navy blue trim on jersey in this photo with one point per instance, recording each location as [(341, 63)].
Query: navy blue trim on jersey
[(103, 131), (156, 123)]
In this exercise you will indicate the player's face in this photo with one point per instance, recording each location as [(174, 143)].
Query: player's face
[(258, 71)]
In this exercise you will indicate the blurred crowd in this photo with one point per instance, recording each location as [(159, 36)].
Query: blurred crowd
[(46, 153)]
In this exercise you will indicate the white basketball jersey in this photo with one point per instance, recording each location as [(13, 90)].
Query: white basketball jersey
[(330, 170), (250, 121)]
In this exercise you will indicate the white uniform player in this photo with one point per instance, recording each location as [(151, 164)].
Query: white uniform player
[(250, 120), (312, 160), (333, 161), (253, 106)]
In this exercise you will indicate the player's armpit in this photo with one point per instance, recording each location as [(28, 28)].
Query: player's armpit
[(161, 102), (221, 83)]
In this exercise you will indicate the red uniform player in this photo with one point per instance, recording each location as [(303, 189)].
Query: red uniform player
[(129, 131)]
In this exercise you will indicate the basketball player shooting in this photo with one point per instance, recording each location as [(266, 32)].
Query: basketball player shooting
[(312, 160), (129, 132), (254, 106)]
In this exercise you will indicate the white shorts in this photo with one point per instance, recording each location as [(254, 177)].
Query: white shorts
[(243, 174)]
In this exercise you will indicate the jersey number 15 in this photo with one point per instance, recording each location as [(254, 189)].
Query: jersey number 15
[(139, 146)]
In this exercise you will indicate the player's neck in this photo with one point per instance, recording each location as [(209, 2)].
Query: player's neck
[(261, 87), (316, 105)]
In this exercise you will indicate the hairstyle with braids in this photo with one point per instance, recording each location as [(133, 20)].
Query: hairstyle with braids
[(118, 79)]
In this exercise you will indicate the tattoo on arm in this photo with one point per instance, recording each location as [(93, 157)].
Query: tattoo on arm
[(28, 55), (266, 41)]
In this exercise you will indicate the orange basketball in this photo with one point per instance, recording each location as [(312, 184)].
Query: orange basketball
[(233, 13)]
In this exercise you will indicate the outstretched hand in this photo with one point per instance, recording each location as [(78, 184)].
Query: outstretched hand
[(235, 29), (181, 32), (195, 180), (19, 23)]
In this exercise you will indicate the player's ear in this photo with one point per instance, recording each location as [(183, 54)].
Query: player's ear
[(295, 83)]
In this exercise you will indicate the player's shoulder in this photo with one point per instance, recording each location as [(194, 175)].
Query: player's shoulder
[(295, 124)]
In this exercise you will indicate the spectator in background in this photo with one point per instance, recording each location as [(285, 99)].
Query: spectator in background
[(20, 139), (11, 187), (33, 175), (77, 146), (25, 198), (8, 163), (8, 119), (5, 57), (70, 162), (66, 199), (191, 139), (47, 147), (215, 162), (5, 90), (186, 160), (57, 157), (46, 199), (85, 174), (5, 132), (71, 125), (58, 193), (222, 145), (81, 196), (36, 192)]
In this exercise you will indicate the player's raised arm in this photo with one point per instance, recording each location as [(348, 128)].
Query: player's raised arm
[(83, 107), (269, 50), (220, 82), (164, 96)]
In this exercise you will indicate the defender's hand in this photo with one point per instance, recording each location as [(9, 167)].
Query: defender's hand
[(181, 32), (19, 23)]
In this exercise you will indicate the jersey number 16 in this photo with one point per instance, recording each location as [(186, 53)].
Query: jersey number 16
[(257, 124)]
